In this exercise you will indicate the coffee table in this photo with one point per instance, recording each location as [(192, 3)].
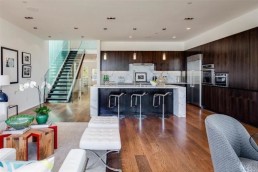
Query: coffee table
[(44, 138)]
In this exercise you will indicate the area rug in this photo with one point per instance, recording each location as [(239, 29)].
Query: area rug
[(69, 134)]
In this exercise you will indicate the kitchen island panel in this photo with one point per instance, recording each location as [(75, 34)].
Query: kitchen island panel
[(178, 98)]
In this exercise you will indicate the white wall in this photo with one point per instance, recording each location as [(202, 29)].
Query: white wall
[(141, 46), (242, 23), (16, 38)]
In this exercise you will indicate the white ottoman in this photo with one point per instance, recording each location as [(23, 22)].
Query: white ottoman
[(75, 161), (104, 122), (7, 154), (107, 139)]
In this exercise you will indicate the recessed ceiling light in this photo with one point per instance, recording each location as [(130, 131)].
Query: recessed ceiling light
[(104, 28), (76, 28), (189, 3), (134, 28), (111, 18), (29, 18), (174, 37), (164, 28), (130, 37), (35, 28), (25, 2), (49, 36), (189, 18), (82, 36), (188, 28)]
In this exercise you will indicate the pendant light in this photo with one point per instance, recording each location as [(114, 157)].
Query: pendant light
[(134, 56), (105, 56), (164, 56)]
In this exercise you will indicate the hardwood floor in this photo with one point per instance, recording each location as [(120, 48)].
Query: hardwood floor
[(181, 146)]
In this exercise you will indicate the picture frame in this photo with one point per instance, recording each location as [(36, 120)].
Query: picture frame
[(140, 76), (26, 71), (26, 58), (10, 64)]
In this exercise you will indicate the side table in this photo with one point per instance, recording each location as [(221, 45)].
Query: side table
[(45, 143)]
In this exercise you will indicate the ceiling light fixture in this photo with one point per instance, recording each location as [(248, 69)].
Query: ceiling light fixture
[(29, 18), (49, 36), (76, 28), (104, 28), (188, 28), (174, 37), (189, 3), (130, 37), (35, 28), (164, 28), (134, 28), (134, 56), (189, 18), (164, 56), (111, 18), (82, 36), (105, 56)]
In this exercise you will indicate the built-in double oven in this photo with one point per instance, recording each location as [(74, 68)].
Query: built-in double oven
[(221, 79), (208, 75)]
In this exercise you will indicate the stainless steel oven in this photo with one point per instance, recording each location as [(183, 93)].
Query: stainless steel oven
[(208, 74), (221, 79)]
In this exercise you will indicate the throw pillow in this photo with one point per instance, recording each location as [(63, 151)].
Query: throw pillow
[(28, 166)]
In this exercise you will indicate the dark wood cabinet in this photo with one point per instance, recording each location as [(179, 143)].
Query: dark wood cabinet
[(253, 70), (117, 60), (120, 60)]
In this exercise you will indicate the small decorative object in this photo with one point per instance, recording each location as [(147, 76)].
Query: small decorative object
[(153, 83), (161, 81), (42, 114), (140, 76), (9, 65), (42, 111), (19, 122), (4, 80), (26, 71), (26, 58)]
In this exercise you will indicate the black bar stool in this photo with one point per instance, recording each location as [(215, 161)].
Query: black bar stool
[(135, 97), (116, 97), (159, 95)]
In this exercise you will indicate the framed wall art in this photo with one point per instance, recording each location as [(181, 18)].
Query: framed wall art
[(26, 71), (26, 58), (140, 76), (9, 64)]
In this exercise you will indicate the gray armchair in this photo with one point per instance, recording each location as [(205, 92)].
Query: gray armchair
[(229, 145)]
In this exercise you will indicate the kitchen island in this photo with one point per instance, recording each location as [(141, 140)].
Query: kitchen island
[(175, 104)]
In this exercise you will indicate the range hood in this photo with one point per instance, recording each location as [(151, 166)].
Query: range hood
[(143, 64)]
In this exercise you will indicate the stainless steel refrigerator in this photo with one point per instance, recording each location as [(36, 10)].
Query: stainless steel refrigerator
[(194, 85)]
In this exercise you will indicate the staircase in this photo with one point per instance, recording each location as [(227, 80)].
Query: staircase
[(63, 85)]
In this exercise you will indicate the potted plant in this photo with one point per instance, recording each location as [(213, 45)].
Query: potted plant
[(42, 114), (41, 111)]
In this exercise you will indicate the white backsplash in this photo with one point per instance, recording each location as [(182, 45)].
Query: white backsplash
[(116, 76)]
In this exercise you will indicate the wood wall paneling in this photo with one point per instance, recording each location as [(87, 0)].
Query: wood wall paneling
[(253, 68)]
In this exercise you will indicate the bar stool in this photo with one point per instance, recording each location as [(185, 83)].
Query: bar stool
[(116, 97), (159, 95), (136, 95)]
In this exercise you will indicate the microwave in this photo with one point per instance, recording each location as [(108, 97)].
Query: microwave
[(208, 74), (221, 79)]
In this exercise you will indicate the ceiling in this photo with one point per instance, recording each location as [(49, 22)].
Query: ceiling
[(57, 18)]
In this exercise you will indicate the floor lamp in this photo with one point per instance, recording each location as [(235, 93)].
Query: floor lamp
[(4, 80)]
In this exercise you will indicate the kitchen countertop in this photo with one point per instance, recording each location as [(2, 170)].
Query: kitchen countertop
[(139, 86)]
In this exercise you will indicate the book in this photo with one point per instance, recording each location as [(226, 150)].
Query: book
[(14, 131), (48, 124)]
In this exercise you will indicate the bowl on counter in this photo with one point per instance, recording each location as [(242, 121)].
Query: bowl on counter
[(153, 83)]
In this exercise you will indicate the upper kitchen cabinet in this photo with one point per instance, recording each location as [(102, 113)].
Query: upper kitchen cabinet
[(115, 61), (169, 61), (120, 60)]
